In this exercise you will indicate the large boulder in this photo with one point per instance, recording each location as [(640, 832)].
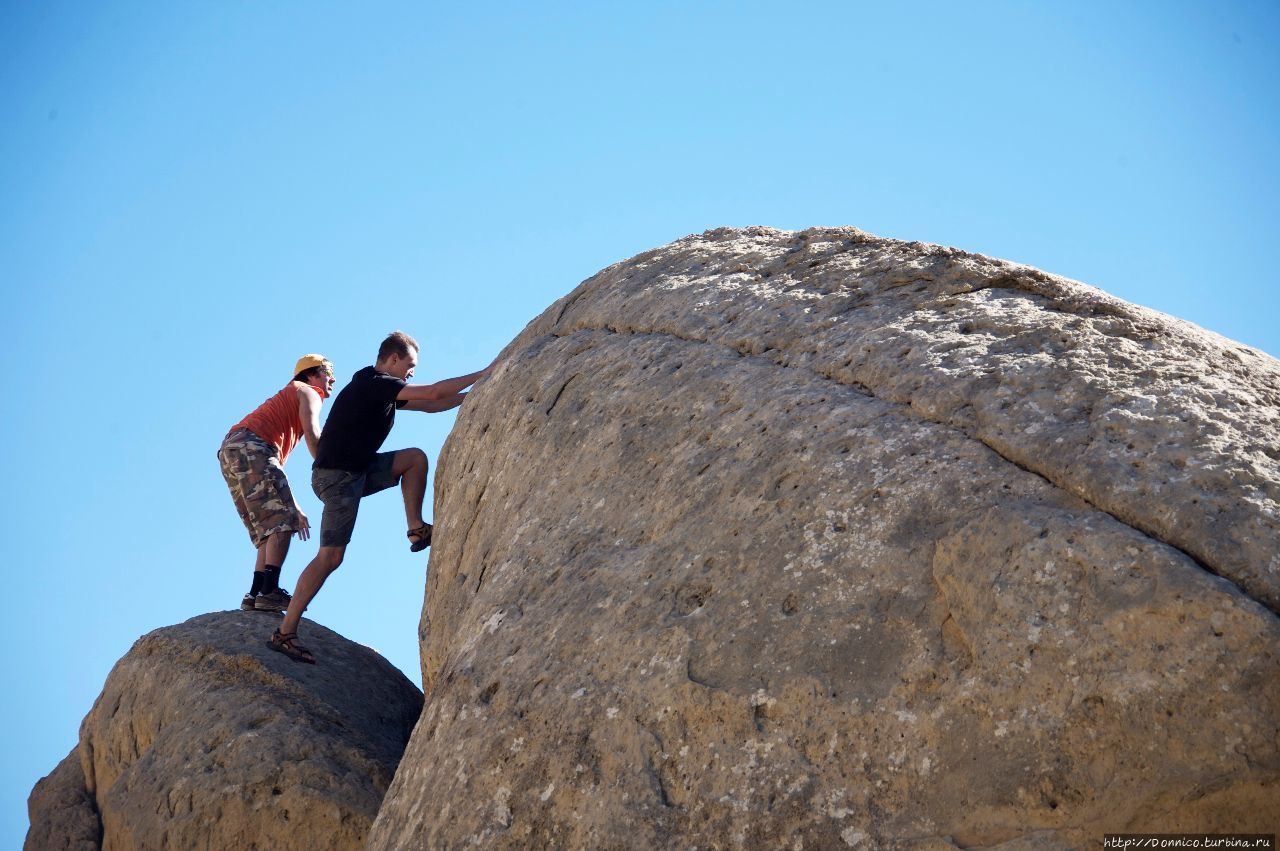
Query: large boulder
[(816, 539), (203, 737)]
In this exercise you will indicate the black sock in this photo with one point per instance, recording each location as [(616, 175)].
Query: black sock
[(256, 587), (270, 578)]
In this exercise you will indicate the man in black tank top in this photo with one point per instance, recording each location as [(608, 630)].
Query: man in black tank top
[(349, 466)]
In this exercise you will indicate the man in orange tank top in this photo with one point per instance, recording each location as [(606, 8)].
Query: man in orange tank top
[(252, 458)]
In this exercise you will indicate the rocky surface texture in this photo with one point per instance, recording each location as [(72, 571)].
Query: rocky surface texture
[(205, 738), (64, 816), (816, 539)]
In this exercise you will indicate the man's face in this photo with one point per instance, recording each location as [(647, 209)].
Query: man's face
[(403, 367), (323, 380)]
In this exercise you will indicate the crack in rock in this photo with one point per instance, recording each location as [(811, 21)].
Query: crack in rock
[(909, 411)]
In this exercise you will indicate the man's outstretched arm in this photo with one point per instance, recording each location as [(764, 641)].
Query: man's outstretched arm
[(436, 406), (441, 389)]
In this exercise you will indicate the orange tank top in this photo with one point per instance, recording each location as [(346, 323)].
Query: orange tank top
[(276, 420)]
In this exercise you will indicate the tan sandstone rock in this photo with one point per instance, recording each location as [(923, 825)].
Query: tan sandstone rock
[(205, 738), (816, 539)]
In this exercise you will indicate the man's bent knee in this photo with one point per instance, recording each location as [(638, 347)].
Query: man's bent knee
[(330, 558), (409, 459)]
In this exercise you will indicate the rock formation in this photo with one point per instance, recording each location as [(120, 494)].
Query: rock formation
[(64, 816), (205, 738), (816, 539)]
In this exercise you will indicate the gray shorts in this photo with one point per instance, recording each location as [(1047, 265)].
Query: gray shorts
[(341, 491)]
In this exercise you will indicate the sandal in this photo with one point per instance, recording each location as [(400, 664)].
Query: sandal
[(423, 534), (287, 643)]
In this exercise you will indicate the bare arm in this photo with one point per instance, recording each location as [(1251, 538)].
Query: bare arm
[(441, 389), (309, 413), (448, 403)]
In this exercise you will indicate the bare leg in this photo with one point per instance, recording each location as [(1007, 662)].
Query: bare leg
[(411, 466), (274, 550), (259, 567), (309, 584)]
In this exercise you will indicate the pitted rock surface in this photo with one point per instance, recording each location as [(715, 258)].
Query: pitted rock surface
[(817, 539), (203, 737)]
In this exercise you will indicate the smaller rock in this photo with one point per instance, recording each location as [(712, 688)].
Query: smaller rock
[(203, 737)]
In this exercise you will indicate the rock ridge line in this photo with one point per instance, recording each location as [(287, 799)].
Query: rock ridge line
[(907, 408)]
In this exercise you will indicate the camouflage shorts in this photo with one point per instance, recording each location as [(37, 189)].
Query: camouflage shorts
[(258, 485)]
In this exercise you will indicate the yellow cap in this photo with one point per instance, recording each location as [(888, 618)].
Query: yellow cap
[(308, 361)]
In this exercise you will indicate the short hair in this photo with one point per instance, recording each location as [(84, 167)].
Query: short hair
[(397, 343), (306, 375)]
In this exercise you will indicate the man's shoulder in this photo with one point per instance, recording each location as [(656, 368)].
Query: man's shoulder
[(359, 379), (369, 385), (306, 390), (370, 375), (375, 378)]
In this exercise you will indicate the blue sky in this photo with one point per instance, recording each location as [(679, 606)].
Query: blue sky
[(193, 194)]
